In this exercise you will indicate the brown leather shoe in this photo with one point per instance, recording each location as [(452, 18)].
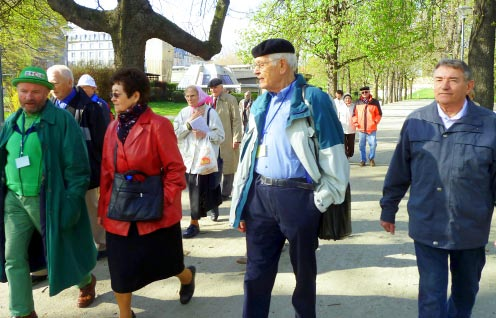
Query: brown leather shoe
[(87, 294), (362, 163), (372, 163), (31, 315)]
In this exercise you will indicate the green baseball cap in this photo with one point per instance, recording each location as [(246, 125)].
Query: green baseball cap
[(33, 74)]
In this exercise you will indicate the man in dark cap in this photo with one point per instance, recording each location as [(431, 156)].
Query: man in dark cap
[(280, 189), (226, 106), (367, 115), (45, 167)]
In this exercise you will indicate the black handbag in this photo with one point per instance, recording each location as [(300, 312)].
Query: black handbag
[(335, 223), (133, 199)]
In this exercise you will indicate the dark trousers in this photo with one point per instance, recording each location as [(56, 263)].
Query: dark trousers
[(273, 215), (349, 145), (465, 267)]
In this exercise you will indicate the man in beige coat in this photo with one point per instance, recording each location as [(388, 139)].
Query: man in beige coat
[(226, 106)]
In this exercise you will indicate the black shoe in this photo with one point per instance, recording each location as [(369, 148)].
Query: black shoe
[(191, 231), (36, 279), (187, 291), (214, 215), (226, 198), (132, 314)]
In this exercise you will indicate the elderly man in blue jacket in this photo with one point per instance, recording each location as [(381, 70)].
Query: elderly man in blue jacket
[(446, 155), (281, 185)]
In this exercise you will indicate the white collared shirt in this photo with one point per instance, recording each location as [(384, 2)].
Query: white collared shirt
[(449, 121)]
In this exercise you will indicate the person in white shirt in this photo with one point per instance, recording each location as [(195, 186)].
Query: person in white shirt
[(344, 110)]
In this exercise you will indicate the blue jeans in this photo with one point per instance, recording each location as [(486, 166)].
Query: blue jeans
[(371, 140), (465, 267)]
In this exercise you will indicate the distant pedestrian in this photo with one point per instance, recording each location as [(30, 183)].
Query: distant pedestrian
[(279, 189), (446, 156), (345, 112), (338, 99), (45, 174), (88, 84), (226, 106), (368, 114), (244, 109)]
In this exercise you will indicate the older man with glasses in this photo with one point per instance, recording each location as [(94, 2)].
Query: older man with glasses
[(366, 117), (281, 185)]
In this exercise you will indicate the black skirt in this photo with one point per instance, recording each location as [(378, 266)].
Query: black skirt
[(204, 195), (135, 261)]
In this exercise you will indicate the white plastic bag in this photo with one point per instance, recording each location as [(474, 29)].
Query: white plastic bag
[(206, 162)]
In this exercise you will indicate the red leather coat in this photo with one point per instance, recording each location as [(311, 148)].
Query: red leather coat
[(150, 145)]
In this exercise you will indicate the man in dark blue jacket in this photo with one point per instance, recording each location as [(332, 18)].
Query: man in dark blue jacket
[(93, 122), (446, 155)]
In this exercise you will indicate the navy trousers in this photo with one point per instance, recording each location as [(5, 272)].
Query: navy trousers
[(466, 268), (273, 215)]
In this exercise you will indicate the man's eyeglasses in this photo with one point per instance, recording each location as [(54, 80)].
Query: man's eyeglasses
[(365, 92), (114, 95), (263, 65)]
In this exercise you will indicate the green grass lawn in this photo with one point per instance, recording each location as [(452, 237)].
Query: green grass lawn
[(169, 109), (424, 93)]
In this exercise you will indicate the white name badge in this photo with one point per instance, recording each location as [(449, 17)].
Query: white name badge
[(22, 162), (262, 151)]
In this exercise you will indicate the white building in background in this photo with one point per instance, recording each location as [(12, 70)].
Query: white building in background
[(84, 46)]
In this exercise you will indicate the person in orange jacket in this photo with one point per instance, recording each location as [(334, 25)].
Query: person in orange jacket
[(367, 115)]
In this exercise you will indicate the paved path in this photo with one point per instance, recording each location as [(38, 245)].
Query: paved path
[(370, 274)]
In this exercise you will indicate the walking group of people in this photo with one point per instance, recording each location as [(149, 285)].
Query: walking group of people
[(363, 116), (293, 164)]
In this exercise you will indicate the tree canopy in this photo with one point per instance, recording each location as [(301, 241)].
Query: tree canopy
[(132, 22)]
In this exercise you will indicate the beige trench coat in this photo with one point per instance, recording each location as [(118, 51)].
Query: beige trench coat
[(227, 108)]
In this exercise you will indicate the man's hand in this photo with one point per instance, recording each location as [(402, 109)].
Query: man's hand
[(389, 227), (242, 227), (236, 145)]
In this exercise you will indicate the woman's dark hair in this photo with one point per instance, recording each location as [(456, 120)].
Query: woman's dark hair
[(133, 80)]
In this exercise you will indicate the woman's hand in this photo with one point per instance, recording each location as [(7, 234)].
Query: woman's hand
[(199, 134), (196, 113)]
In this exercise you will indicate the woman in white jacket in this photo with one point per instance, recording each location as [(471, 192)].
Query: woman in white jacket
[(203, 195), (345, 113)]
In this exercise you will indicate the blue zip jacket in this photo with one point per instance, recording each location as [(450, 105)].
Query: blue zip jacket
[(451, 174), (329, 172)]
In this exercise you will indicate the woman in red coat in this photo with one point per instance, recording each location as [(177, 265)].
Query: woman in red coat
[(144, 251)]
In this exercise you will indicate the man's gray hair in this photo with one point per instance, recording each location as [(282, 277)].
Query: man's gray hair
[(62, 70), (458, 65), (289, 57)]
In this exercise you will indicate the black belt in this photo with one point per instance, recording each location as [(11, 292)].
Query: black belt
[(288, 183)]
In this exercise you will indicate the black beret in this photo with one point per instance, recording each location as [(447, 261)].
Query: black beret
[(215, 82), (365, 88), (271, 46)]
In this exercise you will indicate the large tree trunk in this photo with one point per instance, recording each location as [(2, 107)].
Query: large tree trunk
[(133, 22), (481, 51)]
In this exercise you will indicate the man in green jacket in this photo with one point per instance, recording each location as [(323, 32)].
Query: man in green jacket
[(43, 219)]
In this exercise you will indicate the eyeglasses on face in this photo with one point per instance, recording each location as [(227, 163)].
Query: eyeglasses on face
[(114, 95), (365, 92), (263, 65)]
